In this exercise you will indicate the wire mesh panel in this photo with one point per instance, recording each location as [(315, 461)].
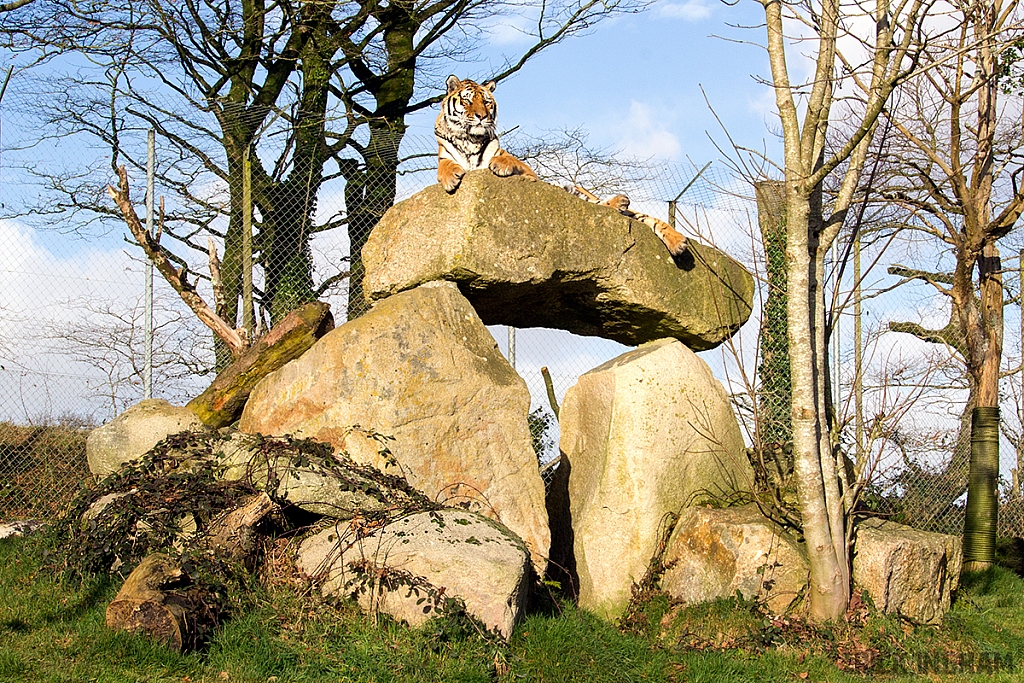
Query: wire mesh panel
[(262, 231)]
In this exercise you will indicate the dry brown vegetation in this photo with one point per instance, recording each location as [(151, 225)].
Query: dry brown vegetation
[(41, 469)]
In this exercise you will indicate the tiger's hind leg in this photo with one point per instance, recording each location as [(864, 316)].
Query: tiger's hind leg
[(673, 239), (619, 202), (504, 164), (449, 174)]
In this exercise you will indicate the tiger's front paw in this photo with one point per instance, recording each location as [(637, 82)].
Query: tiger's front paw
[(505, 165), (449, 174), (501, 169), (676, 243)]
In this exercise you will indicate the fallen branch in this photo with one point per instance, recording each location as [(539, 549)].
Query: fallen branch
[(232, 536), (222, 402), (177, 279), (219, 300)]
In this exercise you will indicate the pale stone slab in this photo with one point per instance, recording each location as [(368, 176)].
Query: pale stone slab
[(408, 567), (324, 488), (715, 552), (906, 571), (648, 433), (134, 432), (529, 254)]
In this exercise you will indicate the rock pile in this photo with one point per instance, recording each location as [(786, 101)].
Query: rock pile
[(421, 368), (652, 455)]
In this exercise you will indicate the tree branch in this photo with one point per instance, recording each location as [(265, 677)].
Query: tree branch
[(175, 278)]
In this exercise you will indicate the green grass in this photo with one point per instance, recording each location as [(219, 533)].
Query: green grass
[(54, 631)]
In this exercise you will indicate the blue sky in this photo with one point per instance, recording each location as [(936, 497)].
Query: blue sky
[(634, 83)]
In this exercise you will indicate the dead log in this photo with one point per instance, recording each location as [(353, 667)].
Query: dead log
[(222, 402), (232, 536), (162, 601), (178, 279), (147, 602)]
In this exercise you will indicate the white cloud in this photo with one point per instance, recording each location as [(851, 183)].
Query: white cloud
[(35, 280), (644, 134), (691, 10), (510, 30), (46, 287)]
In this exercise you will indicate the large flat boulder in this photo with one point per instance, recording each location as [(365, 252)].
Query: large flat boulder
[(333, 488), (410, 567), (906, 571), (529, 254), (717, 552), (134, 432), (419, 367), (646, 434)]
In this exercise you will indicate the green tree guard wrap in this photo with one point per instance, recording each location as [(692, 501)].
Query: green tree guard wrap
[(982, 498)]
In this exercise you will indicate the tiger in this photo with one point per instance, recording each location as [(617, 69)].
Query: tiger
[(467, 138)]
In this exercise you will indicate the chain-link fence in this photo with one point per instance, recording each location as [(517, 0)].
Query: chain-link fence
[(73, 307)]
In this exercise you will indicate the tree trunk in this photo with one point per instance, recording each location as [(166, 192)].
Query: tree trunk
[(289, 218), (161, 600), (231, 265), (376, 189), (813, 464), (774, 396), (148, 602), (367, 198), (986, 349)]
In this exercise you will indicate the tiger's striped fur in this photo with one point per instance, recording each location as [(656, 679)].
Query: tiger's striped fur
[(467, 138), (674, 241)]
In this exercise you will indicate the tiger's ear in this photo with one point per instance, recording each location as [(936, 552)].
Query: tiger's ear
[(453, 83), (490, 85)]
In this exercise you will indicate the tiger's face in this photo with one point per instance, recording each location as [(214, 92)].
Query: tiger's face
[(471, 107)]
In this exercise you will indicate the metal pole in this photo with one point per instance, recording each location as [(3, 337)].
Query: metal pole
[(147, 376), (836, 348), (512, 346), (858, 357), (672, 202), (1018, 472), (248, 309)]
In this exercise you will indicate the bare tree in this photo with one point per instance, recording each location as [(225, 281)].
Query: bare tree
[(874, 63), (565, 157), (108, 337), (311, 92), (959, 162)]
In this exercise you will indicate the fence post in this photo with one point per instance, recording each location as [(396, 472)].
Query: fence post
[(147, 372), (248, 309), (673, 202), (512, 346), (836, 341), (858, 359)]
